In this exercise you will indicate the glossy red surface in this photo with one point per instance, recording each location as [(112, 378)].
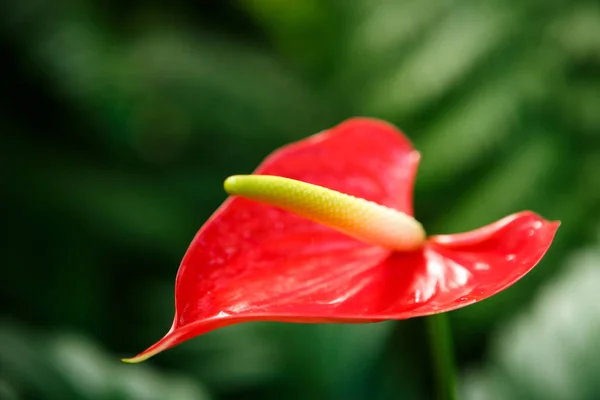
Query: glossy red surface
[(252, 262)]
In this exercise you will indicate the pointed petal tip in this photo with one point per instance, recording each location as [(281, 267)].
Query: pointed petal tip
[(143, 356), (134, 360), (534, 214), (168, 341), (555, 224)]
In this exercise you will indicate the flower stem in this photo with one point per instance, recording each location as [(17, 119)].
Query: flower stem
[(442, 354)]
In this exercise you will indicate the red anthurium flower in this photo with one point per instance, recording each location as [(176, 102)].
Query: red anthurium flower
[(345, 250)]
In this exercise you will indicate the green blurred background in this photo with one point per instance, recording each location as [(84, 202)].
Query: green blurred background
[(120, 120)]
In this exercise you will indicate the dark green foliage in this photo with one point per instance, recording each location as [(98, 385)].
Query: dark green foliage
[(121, 120)]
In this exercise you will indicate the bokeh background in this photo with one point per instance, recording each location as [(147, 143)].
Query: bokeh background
[(121, 119)]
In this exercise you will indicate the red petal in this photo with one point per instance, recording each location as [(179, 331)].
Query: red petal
[(255, 262), (363, 157), (454, 271)]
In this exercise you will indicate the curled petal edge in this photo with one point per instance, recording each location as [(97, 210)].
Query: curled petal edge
[(178, 335)]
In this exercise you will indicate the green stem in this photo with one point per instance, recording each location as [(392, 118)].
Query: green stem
[(442, 354)]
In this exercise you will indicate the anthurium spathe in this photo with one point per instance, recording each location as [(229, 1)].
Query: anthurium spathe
[(336, 241)]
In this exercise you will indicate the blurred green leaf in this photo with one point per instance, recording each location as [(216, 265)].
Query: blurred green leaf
[(446, 56), (120, 122), (69, 366), (548, 351), (505, 191)]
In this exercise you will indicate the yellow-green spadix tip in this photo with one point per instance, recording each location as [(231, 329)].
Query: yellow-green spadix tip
[(362, 219)]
